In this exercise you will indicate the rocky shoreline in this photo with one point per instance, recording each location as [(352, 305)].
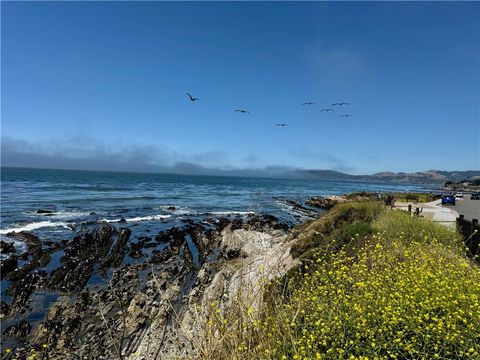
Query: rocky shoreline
[(109, 294)]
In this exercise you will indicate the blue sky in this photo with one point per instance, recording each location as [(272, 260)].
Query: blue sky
[(104, 83)]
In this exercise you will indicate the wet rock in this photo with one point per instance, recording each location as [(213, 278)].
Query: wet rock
[(171, 208), (18, 331), (236, 224), (49, 243), (322, 203), (80, 259), (7, 247), (163, 236), (4, 309), (136, 248), (117, 253), (44, 212), (265, 223), (21, 290), (139, 300), (7, 266), (160, 256), (33, 242)]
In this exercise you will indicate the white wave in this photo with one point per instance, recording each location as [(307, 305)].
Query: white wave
[(34, 226), (139, 218), (64, 214), (225, 213), (20, 247)]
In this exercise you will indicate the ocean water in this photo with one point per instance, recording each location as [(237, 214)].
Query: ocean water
[(148, 202), (81, 199)]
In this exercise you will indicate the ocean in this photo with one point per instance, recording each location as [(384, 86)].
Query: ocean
[(54, 204)]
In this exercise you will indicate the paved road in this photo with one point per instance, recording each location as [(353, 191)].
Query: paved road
[(468, 208)]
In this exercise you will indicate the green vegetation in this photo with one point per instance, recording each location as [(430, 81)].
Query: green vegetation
[(415, 197), (337, 224), (373, 284)]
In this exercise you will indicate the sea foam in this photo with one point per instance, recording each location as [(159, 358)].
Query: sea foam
[(35, 226)]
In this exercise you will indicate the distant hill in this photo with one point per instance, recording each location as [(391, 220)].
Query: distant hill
[(436, 177)]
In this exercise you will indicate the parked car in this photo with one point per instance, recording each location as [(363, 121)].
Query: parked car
[(448, 199), (475, 196), (459, 195)]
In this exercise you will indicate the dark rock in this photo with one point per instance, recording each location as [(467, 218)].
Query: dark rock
[(7, 266), (171, 208), (117, 253), (7, 247), (18, 331), (233, 253), (236, 224), (122, 220), (323, 203), (33, 242), (162, 236), (4, 309), (264, 223), (136, 248), (21, 291), (80, 258), (41, 211)]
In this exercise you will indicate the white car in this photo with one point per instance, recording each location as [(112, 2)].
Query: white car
[(459, 195)]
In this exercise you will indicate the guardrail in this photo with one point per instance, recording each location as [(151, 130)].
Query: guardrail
[(470, 231)]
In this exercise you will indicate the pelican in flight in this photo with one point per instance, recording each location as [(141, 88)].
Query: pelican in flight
[(340, 104), (346, 115), (192, 98), (327, 110), (309, 103), (281, 125), (243, 111)]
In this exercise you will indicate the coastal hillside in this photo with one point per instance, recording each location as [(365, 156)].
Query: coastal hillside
[(434, 177), (370, 283)]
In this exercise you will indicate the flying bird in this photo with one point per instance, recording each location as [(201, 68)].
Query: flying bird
[(281, 125), (243, 111), (340, 103), (327, 110), (346, 115), (309, 103), (192, 98)]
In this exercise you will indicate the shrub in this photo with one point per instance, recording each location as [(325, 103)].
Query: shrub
[(403, 227), (317, 234)]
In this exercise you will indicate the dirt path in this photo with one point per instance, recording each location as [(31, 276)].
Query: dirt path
[(432, 210)]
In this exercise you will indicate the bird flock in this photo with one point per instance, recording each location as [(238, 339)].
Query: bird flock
[(308, 103)]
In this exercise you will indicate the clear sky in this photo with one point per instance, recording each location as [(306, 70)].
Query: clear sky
[(104, 84)]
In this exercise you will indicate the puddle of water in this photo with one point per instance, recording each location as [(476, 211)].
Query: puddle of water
[(99, 282), (5, 297), (193, 250), (55, 260)]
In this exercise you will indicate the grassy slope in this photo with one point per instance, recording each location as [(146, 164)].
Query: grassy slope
[(374, 284)]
